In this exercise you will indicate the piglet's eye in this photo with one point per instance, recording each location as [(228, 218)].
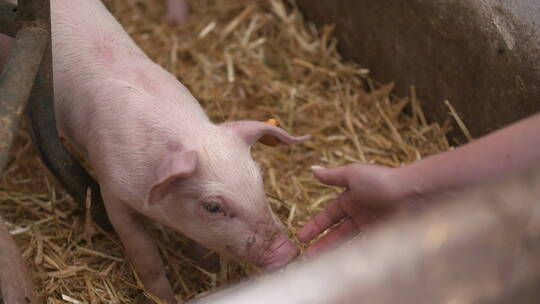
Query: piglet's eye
[(212, 207)]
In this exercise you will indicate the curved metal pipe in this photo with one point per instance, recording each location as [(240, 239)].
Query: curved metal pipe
[(16, 82), (8, 18)]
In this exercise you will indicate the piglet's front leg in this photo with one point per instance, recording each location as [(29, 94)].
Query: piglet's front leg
[(140, 247)]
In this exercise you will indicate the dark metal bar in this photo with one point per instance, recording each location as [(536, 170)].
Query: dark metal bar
[(16, 81), (481, 247), (63, 166), (35, 11), (8, 18), (29, 61)]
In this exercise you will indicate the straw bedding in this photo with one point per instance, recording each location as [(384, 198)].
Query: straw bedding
[(242, 60)]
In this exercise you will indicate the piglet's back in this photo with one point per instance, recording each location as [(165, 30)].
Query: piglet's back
[(95, 60), (111, 100)]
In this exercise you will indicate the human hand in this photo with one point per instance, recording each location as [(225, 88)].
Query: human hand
[(374, 191), (371, 192)]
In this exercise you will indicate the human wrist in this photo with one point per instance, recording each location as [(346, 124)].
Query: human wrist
[(408, 187)]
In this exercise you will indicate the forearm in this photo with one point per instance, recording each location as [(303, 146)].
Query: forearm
[(510, 150)]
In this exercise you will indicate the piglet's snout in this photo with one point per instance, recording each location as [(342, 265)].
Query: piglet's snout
[(280, 253)]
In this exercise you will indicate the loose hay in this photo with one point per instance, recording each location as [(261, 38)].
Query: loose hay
[(243, 60)]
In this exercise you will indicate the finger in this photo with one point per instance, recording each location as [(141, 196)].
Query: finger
[(332, 214), (339, 235), (338, 176)]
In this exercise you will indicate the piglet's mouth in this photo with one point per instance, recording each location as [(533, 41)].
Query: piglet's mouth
[(281, 253)]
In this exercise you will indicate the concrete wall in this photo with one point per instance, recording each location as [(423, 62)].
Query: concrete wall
[(482, 55)]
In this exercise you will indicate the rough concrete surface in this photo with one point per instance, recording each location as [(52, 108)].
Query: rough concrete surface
[(482, 55)]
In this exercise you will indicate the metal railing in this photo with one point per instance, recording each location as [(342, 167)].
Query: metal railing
[(28, 78), (26, 84)]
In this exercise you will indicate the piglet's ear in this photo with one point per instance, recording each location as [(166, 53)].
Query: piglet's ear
[(176, 165), (253, 131)]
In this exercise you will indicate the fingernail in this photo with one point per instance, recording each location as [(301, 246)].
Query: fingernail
[(313, 168)]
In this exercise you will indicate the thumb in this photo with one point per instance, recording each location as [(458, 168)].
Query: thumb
[(338, 176)]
